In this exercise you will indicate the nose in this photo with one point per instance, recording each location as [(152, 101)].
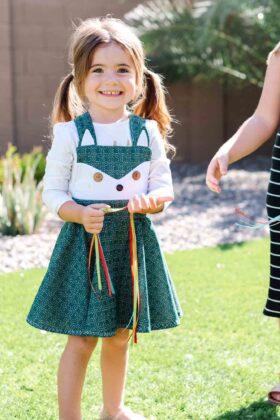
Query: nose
[(111, 78)]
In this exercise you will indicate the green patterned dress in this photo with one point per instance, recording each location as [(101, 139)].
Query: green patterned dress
[(65, 302)]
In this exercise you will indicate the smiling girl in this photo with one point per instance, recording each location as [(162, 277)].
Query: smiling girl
[(106, 170)]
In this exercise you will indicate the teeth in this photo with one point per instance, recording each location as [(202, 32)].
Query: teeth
[(109, 92)]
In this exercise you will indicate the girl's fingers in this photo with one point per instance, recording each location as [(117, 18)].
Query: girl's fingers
[(95, 209), (137, 203), (211, 173), (223, 165), (153, 202), (144, 202), (213, 187), (94, 231), (133, 204), (130, 206), (94, 227), (211, 180), (98, 205), (96, 219), (161, 200), (217, 168)]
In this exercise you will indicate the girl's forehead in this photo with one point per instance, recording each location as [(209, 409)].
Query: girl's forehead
[(112, 53)]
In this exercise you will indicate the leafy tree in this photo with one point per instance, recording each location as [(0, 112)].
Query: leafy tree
[(209, 39)]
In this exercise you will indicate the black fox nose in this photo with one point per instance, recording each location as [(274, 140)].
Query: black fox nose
[(119, 187)]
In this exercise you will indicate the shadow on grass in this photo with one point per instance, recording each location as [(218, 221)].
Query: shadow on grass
[(258, 410), (228, 247)]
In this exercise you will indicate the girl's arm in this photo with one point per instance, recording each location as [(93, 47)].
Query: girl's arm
[(56, 183), (59, 163), (254, 131), (160, 189)]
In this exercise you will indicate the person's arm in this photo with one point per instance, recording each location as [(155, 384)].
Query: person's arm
[(160, 189), (56, 180), (254, 131), (59, 163)]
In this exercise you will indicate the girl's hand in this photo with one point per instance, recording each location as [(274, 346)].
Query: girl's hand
[(147, 203), (92, 217), (217, 168)]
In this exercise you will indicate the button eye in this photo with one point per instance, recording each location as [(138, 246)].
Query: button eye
[(136, 175), (98, 176)]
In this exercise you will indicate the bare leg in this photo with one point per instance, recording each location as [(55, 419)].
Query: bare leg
[(276, 395), (71, 375), (114, 362)]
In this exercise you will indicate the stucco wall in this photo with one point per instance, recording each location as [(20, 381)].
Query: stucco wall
[(33, 57)]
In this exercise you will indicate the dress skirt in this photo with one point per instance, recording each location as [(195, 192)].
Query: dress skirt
[(272, 307), (66, 303)]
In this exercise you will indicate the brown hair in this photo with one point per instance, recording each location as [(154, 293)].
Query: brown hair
[(70, 100)]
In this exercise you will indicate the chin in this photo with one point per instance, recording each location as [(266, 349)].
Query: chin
[(114, 107)]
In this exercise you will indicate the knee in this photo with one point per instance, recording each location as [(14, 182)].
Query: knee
[(118, 341), (82, 345)]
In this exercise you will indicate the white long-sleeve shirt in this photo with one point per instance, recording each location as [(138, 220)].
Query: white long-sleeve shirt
[(62, 180)]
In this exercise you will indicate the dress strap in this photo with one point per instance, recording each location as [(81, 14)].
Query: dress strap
[(83, 123), (137, 125)]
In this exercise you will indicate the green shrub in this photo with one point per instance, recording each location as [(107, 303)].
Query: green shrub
[(21, 206), (23, 159)]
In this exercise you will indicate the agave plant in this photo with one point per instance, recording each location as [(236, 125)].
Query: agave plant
[(21, 207), (208, 39)]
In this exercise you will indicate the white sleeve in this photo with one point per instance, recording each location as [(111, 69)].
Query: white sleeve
[(160, 179), (59, 163)]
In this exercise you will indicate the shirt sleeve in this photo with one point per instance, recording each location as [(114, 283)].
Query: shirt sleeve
[(160, 179), (58, 171)]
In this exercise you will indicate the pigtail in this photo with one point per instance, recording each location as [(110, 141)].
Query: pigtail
[(152, 105), (67, 104)]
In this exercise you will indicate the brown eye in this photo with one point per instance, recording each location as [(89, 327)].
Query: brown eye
[(136, 175), (98, 176)]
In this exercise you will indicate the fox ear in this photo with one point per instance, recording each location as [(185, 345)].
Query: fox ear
[(87, 138)]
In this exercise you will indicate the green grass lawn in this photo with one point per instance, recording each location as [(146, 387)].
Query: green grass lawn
[(219, 364)]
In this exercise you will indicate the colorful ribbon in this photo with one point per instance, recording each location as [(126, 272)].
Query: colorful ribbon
[(99, 255), (134, 277), (258, 224)]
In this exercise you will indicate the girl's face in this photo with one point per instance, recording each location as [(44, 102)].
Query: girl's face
[(111, 80)]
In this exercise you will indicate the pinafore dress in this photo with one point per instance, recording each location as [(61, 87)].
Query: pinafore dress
[(65, 302), (272, 307)]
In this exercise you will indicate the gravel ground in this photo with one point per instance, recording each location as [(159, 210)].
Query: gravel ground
[(197, 218)]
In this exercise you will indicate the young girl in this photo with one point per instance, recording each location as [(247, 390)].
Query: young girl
[(251, 135), (107, 168)]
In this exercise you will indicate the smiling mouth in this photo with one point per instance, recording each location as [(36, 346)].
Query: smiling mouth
[(111, 92)]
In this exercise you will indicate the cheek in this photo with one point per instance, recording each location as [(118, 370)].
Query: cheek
[(90, 85), (131, 86)]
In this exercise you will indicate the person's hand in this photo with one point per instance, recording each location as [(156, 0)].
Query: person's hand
[(217, 168), (92, 217), (147, 203)]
